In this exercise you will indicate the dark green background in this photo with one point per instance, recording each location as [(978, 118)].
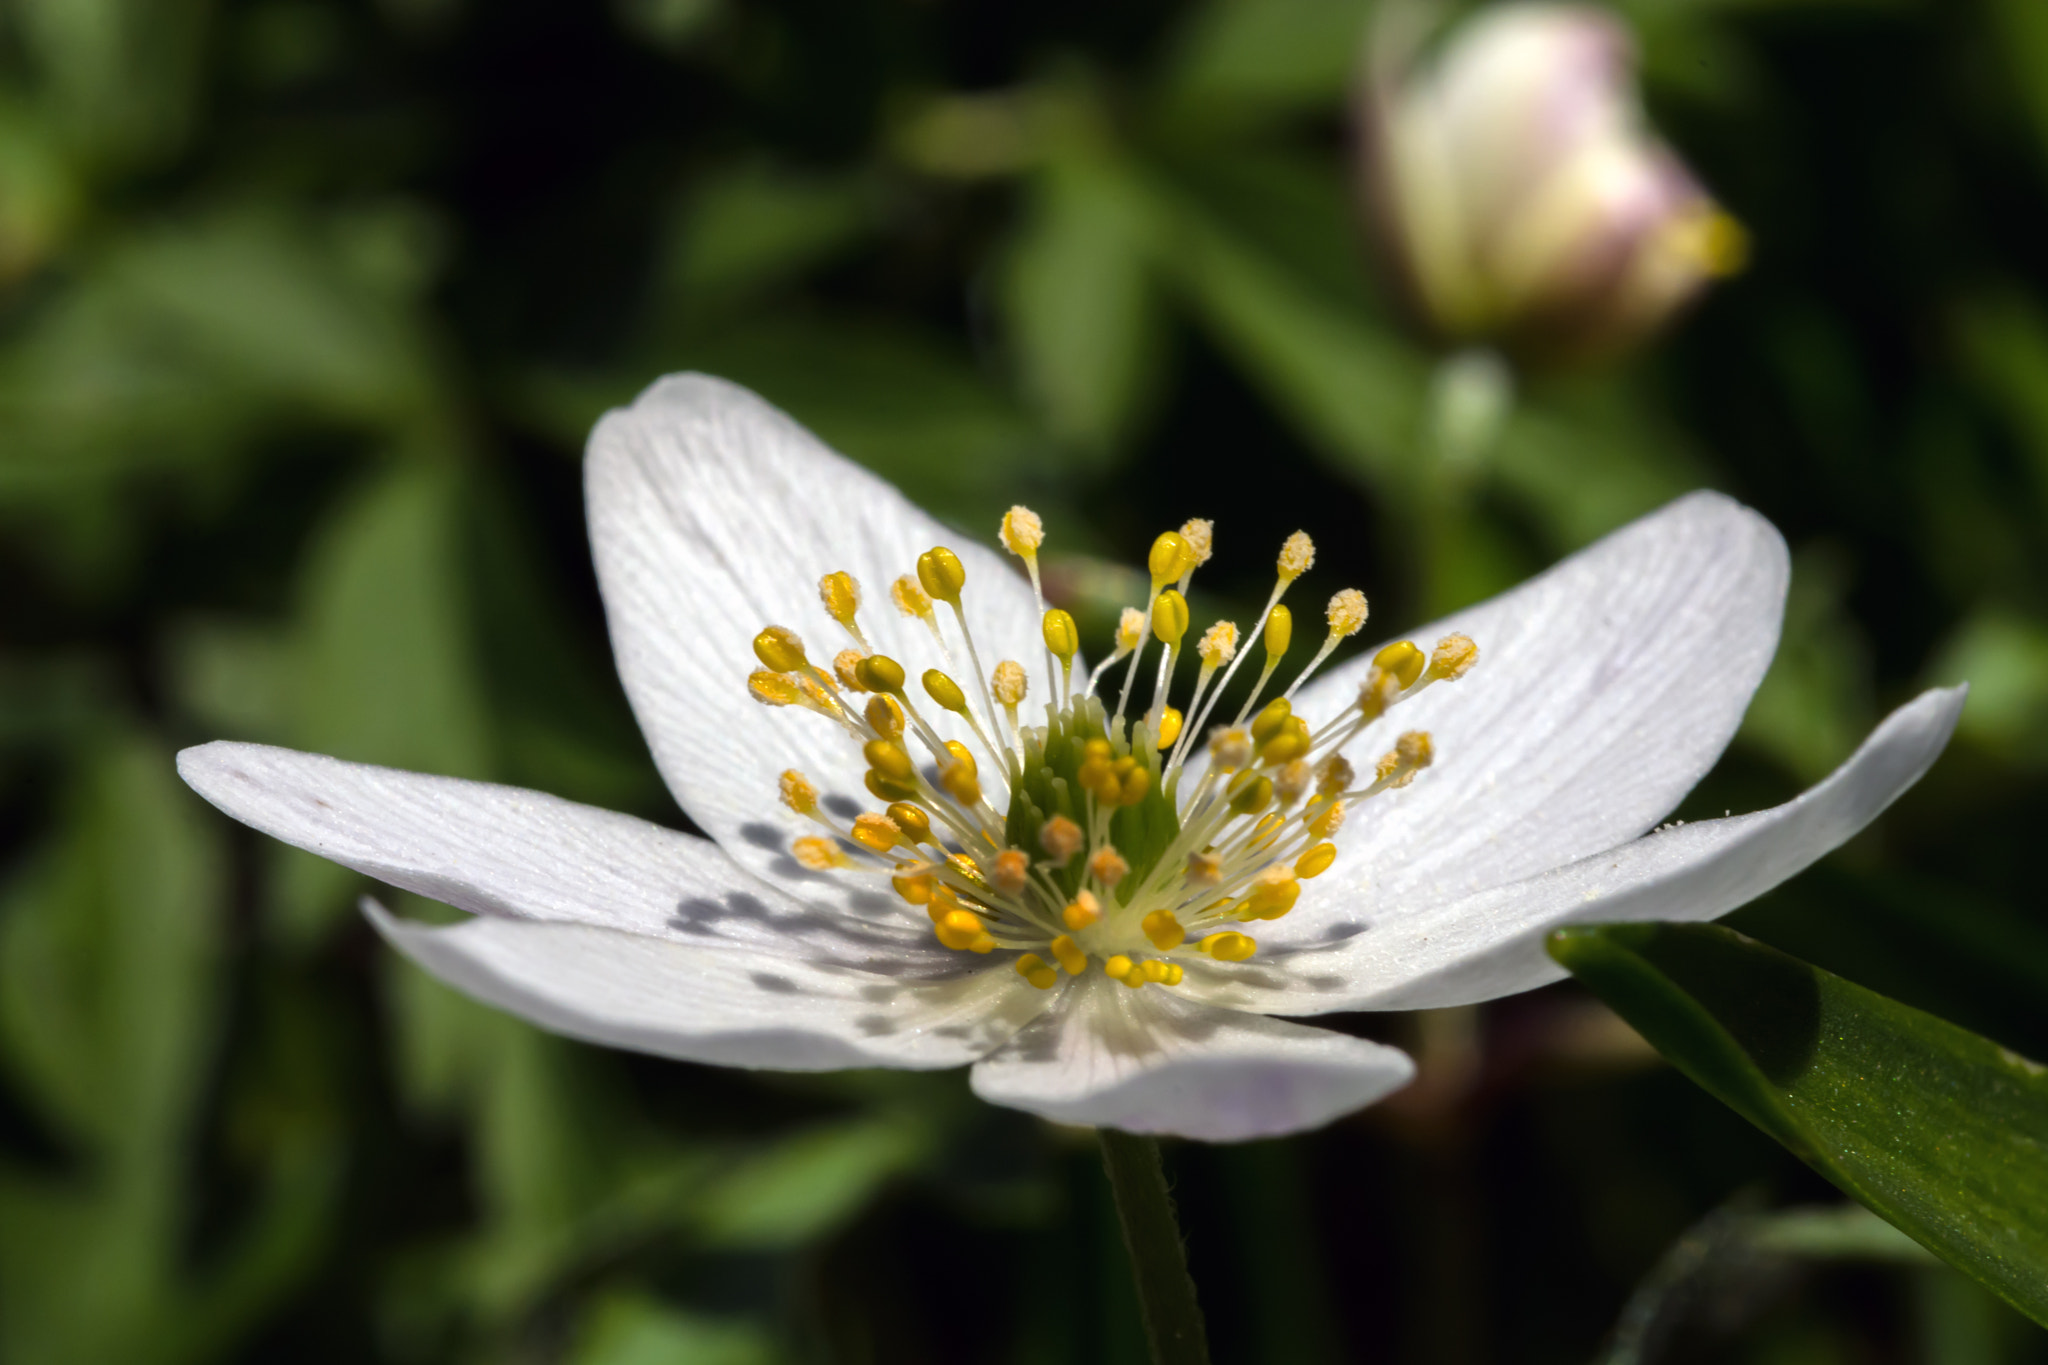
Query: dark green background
[(305, 307)]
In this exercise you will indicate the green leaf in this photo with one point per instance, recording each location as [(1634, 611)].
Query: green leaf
[(1940, 1131)]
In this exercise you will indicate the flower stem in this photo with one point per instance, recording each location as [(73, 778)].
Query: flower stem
[(1166, 1292)]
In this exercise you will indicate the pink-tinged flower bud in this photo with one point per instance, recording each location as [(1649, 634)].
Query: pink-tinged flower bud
[(1521, 192)]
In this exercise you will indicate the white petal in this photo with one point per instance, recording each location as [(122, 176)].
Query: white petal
[(1152, 1061), (1605, 688), (712, 515), (720, 1005), (1491, 944), (495, 850)]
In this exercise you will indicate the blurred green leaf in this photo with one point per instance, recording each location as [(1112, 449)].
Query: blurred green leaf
[(2004, 655), (2021, 28), (1814, 704), (120, 74), (1943, 1133), (1078, 294), (1267, 55), (797, 1188), (756, 225), (627, 1329)]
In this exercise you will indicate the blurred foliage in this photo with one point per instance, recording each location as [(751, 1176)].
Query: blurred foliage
[(305, 307)]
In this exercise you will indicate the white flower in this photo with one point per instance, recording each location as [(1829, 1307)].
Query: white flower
[(1524, 195), (1507, 802)]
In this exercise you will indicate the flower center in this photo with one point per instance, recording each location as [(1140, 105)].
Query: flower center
[(1097, 835)]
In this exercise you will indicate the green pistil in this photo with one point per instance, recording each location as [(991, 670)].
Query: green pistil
[(1049, 786)]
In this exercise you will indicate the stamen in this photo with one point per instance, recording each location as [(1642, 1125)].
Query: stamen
[(798, 793), (840, 593), (779, 649), (1061, 839), (1346, 615), (1108, 867)]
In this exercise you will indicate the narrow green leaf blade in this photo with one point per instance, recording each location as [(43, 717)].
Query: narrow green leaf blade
[(1940, 1131)]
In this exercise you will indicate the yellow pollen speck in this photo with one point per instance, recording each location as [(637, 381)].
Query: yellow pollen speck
[(1116, 968), (845, 667), (1061, 838), (1070, 955), (840, 593), (798, 793), (1315, 861), (1219, 644), (1022, 532), (1454, 657), (1347, 612), (1037, 971), (1203, 869), (1164, 930), (817, 855), (1009, 683), (1130, 628), (773, 689), (1008, 871), (1297, 556), (1230, 750), (1108, 866), (1279, 632), (909, 598), (1229, 946), (1082, 911), (1170, 721), (1200, 534), (779, 649), (877, 833)]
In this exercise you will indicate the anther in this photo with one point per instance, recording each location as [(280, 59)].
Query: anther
[(1272, 718), (1415, 749), (941, 575), (880, 673), (1061, 635), (915, 824), (1116, 968), (1203, 869), (1346, 613), (1164, 930), (1061, 839), (1200, 534), (962, 930), (1070, 955), (1230, 750), (886, 717), (1253, 795), (945, 691), (876, 833), (1130, 628), (1315, 861), (1401, 661), (960, 777), (773, 689), (779, 649), (846, 668), (1297, 556), (909, 598), (1170, 721), (798, 793), (1229, 946), (818, 855), (1170, 616), (1107, 866), (1219, 644), (1272, 895), (1335, 776), (1327, 821), (1279, 633), (1291, 783), (1454, 657), (841, 595), (1037, 971), (915, 888), (1171, 556), (1081, 911), (1022, 532), (889, 758), (1009, 683), (1008, 871)]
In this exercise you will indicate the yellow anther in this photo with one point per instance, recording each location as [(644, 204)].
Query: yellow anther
[(1279, 632), (1171, 556), (880, 673), (1292, 782), (960, 928), (1200, 534), (1229, 946), (1022, 532), (798, 793), (1037, 971), (1379, 691), (877, 833), (1062, 637), (1107, 866), (1290, 742), (779, 649), (819, 855), (1203, 869), (885, 717), (1335, 776), (1112, 781), (1164, 930), (942, 903), (1315, 861), (1130, 628), (945, 691), (915, 824), (885, 788), (1081, 911), (1347, 612), (1415, 749), (1271, 720), (915, 888), (1251, 796), (1061, 839), (1170, 616), (1134, 978), (889, 758), (1401, 661), (1272, 895), (1268, 829), (1070, 955), (940, 573), (1454, 657), (1008, 871), (1327, 821), (1297, 556), (959, 777), (1219, 644), (1156, 971), (841, 595), (846, 668), (963, 756), (1230, 750), (1174, 974), (1008, 683), (773, 689), (1116, 968), (1169, 727), (816, 697), (909, 598)]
